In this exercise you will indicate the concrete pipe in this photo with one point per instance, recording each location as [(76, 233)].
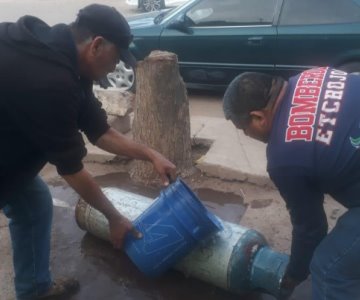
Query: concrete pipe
[(236, 259)]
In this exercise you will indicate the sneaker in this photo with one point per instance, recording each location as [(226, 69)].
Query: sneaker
[(60, 287)]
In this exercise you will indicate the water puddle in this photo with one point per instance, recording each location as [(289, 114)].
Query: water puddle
[(227, 206)]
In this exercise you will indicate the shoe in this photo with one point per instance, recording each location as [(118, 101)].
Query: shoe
[(60, 287)]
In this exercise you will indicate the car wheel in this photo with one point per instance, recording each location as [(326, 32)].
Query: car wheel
[(122, 78), (351, 67), (151, 5)]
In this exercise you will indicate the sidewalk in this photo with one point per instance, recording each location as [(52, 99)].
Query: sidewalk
[(232, 155)]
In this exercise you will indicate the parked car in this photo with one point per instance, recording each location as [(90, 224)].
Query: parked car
[(216, 40), (151, 5)]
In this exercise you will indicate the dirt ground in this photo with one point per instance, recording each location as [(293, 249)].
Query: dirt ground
[(108, 274)]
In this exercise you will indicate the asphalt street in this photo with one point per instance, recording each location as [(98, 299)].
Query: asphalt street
[(54, 11)]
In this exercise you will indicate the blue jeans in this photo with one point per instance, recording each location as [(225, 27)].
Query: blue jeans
[(335, 267), (30, 210)]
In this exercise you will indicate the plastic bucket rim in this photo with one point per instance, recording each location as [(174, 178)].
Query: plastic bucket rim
[(195, 204)]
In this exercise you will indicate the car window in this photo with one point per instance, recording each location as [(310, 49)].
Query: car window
[(232, 12), (311, 12)]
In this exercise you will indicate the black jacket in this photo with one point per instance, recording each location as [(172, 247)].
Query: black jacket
[(43, 102)]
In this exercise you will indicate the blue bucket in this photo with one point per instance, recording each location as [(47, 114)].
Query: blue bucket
[(172, 226)]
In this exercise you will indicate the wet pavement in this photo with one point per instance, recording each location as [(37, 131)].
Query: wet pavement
[(106, 273)]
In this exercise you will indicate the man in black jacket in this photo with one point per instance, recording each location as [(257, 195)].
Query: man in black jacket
[(40, 122)]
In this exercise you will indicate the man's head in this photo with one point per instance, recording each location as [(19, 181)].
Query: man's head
[(249, 103), (102, 36)]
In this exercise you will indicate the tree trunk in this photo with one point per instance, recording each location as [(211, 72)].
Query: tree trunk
[(162, 119)]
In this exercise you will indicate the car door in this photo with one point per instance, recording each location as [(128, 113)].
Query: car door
[(221, 39), (317, 33)]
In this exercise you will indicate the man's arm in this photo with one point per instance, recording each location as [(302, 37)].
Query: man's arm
[(87, 188), (92, 122), (115, 142), (305, 204)]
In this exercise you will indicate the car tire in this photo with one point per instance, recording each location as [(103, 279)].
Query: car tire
[(122, 78), (152, 5), (351, 67)]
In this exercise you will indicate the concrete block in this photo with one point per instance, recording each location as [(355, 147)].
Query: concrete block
[(115, 101), (120, 123), (97, 155)]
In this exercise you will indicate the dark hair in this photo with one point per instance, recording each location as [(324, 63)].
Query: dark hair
[(105, 21), (248, 92)]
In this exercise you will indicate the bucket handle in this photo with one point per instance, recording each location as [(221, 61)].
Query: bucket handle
[(169, 178)]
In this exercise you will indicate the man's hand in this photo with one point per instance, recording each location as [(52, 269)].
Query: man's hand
[(119, 228), (164, 167), (117, 143), (84, 184), (287, 287)]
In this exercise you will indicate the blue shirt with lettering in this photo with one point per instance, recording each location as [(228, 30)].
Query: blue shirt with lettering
[(313, 150)]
